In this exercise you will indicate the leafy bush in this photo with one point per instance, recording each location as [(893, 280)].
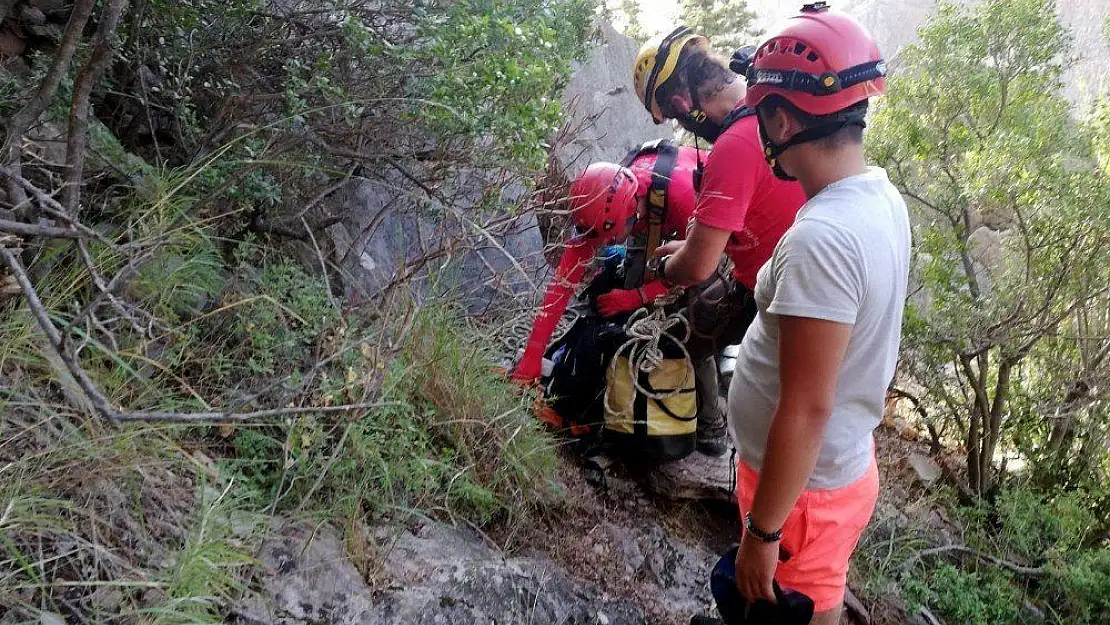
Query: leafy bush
[(982, 597), (1078, 590), (450, 436)]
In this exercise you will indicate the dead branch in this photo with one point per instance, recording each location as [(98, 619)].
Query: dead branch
[(49, 205), (101, 403), (21, 229), (109, 291), (194, 417), (21, 121), (87, 78), (92, 393), (962, 550)]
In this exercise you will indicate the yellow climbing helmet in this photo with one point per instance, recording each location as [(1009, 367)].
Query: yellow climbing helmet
[(656, 62)]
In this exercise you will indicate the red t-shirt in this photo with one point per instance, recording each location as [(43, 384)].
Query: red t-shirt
[(740, 193)]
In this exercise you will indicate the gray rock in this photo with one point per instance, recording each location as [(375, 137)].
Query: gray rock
[(985, 248), (308, 579), (697, 476), (11, 45), (481, 257), (444, 575), (431, 575), (33, 15), (925, 468), (600, 100), (47, 6)]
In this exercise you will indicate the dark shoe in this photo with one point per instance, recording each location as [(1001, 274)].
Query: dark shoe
[(712, 429), (705, 620), (712, 432)]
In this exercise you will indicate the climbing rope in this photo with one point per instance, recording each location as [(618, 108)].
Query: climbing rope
[(646, 330)]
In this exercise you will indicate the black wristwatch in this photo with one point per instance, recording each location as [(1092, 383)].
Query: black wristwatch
[(760, 535), (661, 268)]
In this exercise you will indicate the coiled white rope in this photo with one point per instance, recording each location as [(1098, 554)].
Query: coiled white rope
[(646, 329)]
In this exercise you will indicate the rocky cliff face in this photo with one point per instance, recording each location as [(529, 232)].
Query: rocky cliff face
[(895, 23), (604, 107), (483, 259)]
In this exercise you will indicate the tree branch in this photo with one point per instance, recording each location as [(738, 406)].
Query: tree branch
[(962, 550), (87, 78), (93, 394), (21, 121), (193, 417), (47, 232)]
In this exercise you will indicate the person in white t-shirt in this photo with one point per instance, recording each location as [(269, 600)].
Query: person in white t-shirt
[(814, 367)]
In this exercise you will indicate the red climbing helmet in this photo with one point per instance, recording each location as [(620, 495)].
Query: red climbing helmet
[(603, 199), (822, 61)]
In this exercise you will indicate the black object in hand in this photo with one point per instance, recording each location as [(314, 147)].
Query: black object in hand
[(793, 608)]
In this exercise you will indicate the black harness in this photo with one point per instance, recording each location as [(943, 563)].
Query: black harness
[(658, 192)]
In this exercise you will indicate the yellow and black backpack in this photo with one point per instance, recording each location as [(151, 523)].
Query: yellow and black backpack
[(650, 403)]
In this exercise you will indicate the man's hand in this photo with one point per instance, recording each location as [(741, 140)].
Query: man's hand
[(620, 301), (670, 247), (756, 562)]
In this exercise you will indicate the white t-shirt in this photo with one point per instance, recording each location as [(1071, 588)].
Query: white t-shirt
[(845, 259)]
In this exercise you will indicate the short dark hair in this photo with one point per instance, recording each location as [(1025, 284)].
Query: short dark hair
[(850, 135), (696, 69)]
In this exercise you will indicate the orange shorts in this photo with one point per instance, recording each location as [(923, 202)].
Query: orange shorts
[(820, 534)]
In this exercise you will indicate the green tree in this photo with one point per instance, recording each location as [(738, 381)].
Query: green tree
[(630, 9), (726, 22), (1009, 211)]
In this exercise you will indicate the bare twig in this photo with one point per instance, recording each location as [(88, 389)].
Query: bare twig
[(49, 205), (22, 229), (99, 401), (962, 550), (108, 291), (103, 289), (21, 121), (79, 113), (192, 417)]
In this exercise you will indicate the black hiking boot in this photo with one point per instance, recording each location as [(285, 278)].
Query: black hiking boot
[(712, 431), (705, 620)]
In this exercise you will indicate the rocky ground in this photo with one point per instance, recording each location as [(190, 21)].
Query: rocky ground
[(611, 552)]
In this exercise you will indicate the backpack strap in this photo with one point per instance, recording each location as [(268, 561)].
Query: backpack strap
[(661, 174), (666, 157)]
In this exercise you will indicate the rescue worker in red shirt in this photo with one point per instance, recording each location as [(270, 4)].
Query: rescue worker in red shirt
[(608, 203), (743, 209)]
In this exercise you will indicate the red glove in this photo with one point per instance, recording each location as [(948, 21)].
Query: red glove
[(620, 301), (527, 372)]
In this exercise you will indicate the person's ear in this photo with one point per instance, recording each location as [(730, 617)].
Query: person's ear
[(679, 105), (781, 125)]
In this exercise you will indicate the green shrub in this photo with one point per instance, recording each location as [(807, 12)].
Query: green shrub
[(1078, 590), (451, 437), (968, 597)]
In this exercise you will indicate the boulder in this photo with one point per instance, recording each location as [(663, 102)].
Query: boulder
[(697, 476), (32, 15), (11, 44), (46, 6), (432, 574), (482, 258), (925, 468), (601, 103), (985, 248)]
